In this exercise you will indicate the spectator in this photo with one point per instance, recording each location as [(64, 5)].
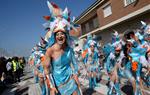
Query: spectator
[(9, 70)]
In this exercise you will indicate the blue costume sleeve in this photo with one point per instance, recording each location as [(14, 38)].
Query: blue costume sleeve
[(137, 52), (140, 51), (96, 58), (85, 59), (108, 64), (74, 63)]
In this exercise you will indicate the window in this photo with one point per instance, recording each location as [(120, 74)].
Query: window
[(107, 11), (87, 28), (127, 2), (91, 24), (95, 22), (83, 29)]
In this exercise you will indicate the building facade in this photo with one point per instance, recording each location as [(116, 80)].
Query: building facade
[(104, 16)]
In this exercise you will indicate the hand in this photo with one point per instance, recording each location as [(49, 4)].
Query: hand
[(53, 91), (40, 75), (35, 72), (37, 65), (75, 77)]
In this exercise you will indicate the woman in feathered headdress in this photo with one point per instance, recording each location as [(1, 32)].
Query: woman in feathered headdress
[(91, 61), (39, 66), (60, 64), (36, 61), (113, 63)]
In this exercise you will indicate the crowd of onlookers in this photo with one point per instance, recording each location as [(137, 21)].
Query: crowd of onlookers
[(11, 69)]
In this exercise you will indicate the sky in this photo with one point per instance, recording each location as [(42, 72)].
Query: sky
[(21, 22)]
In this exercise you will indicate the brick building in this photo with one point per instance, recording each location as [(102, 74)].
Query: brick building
[(104, 15)]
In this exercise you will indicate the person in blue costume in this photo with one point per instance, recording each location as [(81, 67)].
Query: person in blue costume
[(133, 64), (113, 69), (60, 65), (147, 75), (61, 58), (91, 62), (127, 65), (34, 60), (78, 57), (40, 72), (40, 54), (113, 65), (137, 52)]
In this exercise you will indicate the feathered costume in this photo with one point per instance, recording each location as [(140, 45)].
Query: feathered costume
[(91, 60), (61, 70), (37, 56), (113, 61), (134, 57)]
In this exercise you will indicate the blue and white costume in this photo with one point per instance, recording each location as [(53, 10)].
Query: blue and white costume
[(91, 62), (113, 63), (62, 72), (65, 66)]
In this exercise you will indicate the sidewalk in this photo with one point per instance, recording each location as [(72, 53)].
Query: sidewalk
[(25, 87), (102, 88)]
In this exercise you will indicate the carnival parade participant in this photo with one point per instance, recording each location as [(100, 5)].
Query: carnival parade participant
[(138, 59), (136, 48), (38, 70), (113, 64), (91, 62), (42, 49), (60, 64), (78, 57), (34, 60), (57, 62)]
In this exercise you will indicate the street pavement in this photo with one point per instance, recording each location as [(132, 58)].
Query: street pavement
[(27, 86)]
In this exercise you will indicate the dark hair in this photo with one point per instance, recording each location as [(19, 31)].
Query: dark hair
[(131, 33), (9, 60), (76, 45), (146, 55), (57, 32), (128, 34), (15, 58), (65, 36)]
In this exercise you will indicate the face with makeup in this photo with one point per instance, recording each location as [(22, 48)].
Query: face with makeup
[(117, 52), (60, 37), (92, 47)]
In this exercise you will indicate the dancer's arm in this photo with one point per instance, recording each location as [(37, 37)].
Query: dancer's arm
[(47, 71)]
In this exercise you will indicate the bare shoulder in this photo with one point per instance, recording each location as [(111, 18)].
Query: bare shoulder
[(49, 51)]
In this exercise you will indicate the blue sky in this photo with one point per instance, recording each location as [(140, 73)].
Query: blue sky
[(21, 22)]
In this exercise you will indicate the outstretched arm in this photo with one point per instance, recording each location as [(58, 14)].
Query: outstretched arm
[(47, 71), (46, 65)]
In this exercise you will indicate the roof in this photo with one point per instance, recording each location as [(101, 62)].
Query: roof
[(88, 10)]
